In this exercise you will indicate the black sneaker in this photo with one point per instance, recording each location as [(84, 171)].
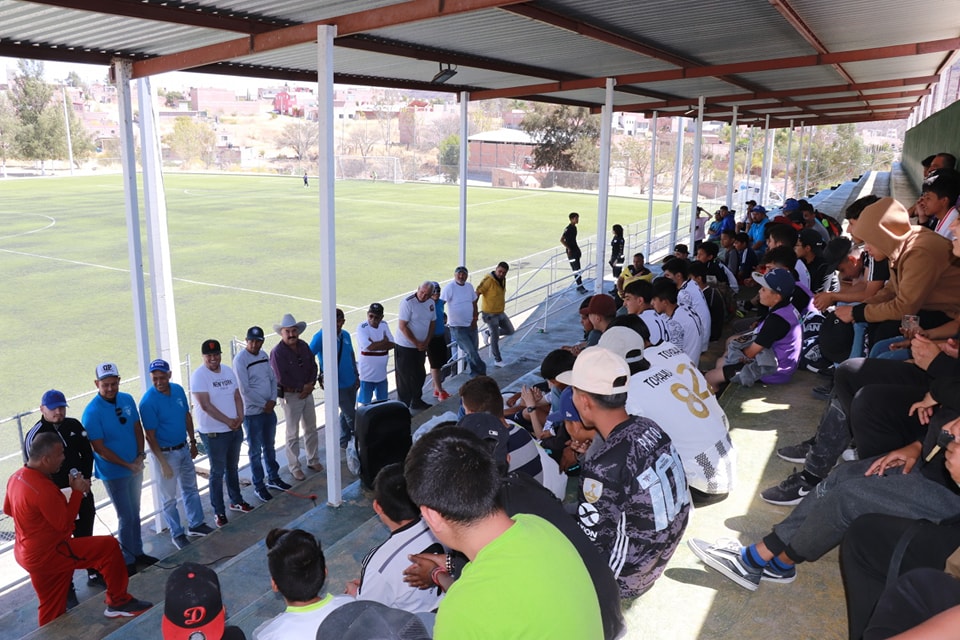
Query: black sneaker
[(72, 597), (824, 391), (796, 453), (419, 405), (221, 520), (780, 576), (279, 485), (242, 507), (129, 609), (724, 556), (789, 492), (143, 560), (94, 579), (203, 529), (181, 541), (262, 494)]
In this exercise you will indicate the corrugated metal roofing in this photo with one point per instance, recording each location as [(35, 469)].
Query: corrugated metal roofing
[(559, 50)]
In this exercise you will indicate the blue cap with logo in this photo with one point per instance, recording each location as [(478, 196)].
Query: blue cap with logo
[(53, 399), (568, 410), (159, 365)]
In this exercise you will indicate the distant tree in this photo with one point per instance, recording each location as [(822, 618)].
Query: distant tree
[(450, 157), (632, 155), (9, 125), (363, 135), (566, 137), (173, 98), (301, 136), (37, 134), (74, 80), (192, 141)]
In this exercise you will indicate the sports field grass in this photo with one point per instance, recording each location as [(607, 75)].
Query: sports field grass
[(245, 250)]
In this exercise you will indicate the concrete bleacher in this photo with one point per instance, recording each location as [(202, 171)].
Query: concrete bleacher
[(834, 202), (690, 600)]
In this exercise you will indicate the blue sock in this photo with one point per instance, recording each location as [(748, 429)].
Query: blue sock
[(750, 556), (780, 566)]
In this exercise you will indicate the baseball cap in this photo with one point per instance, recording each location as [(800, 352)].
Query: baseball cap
[(210, 346), (461, 269), (376, 308), (758, 209), (681, 248), (778, 280), (107, 370), (193, 604), (159, 365), (436, 287), (371, 620), (53, 399), (790, 204), (627, 343), (255, 333), (568, 410), (602, 305), (598, 370), (811, 238), (489, 429)]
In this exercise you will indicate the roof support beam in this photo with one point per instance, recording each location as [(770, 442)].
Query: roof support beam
[(774, 64), (359, 22)]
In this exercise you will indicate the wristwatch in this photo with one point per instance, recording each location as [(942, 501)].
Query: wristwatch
[(530, 409)]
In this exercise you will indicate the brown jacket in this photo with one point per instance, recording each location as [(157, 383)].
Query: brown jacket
[(923, 271)]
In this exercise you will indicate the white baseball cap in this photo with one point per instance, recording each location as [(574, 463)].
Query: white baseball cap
[(598, 370)]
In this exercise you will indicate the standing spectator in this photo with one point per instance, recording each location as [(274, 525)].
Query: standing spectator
[(569, 242), (493, 288), (758, 226), (616, 251), (43, 520), (296, 370), (168, 427), (113, 426), (462, 314), (258, 390), (348, 378), (219, 408), (78, 455), (374, 341), (438, 353), (417, 318)]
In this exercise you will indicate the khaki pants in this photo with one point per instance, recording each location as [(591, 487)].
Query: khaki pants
[(298, 410)]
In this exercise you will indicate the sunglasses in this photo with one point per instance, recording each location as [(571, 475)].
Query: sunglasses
[(120, 415)]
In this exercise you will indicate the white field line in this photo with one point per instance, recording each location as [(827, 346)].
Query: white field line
[(53, 221)]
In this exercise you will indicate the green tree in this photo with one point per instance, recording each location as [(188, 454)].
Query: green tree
[(450, 157), (9, 125), (566, 137), (192, 141), (37, 134), (173, 99)]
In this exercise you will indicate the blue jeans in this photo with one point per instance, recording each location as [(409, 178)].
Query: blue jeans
[(125, 494), (223, 451), (882, 350), (371, 390), (261, 431), (467, 341), (348, 412), (184, 477)]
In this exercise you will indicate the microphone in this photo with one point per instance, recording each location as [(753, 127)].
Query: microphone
[(75, 473)]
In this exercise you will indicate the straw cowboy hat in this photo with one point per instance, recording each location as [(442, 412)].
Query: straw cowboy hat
[(290, 321)]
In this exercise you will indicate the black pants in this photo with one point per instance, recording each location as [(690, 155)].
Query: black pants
[(83, 526), (865, 559), (915, 598), (575, 265), (410, 373)]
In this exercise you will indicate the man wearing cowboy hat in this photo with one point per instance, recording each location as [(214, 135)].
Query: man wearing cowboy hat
[(296, 371)]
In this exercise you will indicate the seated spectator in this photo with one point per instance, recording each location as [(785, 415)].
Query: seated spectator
[(193, 606), (728, 254), (757, 230), (667, 388), (791, 210), (482, 395), (298, 572), (366, 620), (638, 300), (601, 310), (591, 335), (924, 279), (381, 575), (680, 252), (690, 296), (809, 250), (682, 322), (939, 195), (811, 221), (633, 500), (453, 478), (746, 258), (930, 164), (716, 303), (856, 284), (713, 229), (779, 334), (552, 435), (784, 235), (708, 254), (635, 271)]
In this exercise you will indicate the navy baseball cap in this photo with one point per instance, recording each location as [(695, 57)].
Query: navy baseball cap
[(779, 280), (489, 429), (159, 365), (568, 410), (460, 269), (376, 309), (53, 399), (255, 333)]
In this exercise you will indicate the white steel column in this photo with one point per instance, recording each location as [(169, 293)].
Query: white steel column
[(653, 181), (464, 147), (786, 172), (677, 169), (128, 158), (799, 163), (733, 158), (66, 124), (695, 182), (806, 168), (328, 260), (155, 209), (767, 161), (606, 127)]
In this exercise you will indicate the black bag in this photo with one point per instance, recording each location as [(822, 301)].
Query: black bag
[(836, 338), (382, 437)]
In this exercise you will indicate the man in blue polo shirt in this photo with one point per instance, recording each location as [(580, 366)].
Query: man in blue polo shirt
[(113, 427), (168, 427), (348, 379)]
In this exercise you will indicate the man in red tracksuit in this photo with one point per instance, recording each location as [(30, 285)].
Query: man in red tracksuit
[(44, 518)]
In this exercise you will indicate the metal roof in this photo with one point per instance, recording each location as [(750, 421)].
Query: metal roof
[(820, 61)]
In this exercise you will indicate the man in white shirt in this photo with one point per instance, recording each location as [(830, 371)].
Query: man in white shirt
[(690, 296), (691, 328), (462, 313), (938, 196), (415, 328), (374, 342)]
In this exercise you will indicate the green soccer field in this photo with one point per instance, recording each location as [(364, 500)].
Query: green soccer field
[(245, 250)]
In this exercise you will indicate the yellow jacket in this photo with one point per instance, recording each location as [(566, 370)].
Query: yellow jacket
[(493, 293)]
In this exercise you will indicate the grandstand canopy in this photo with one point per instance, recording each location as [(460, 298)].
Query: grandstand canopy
[(820, 61)]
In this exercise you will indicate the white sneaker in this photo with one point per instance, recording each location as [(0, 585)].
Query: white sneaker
[(499, 363), (850, 455)]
